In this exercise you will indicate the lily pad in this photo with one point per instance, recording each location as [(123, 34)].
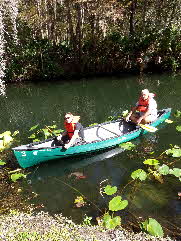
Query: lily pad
[(176, 172), (117, 204), (152, 227), (175, 152), (16, 176), (111, 223), (177, 113), (110, 190), (139, 174), (178, 128), (151, 162), (164, 169)]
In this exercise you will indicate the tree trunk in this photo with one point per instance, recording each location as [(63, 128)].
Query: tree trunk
[(132, 17)]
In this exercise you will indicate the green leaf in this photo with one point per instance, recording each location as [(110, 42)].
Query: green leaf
[(177, 113), (6, 133), (178, 128), (110, 190), (2, 163), (33, 127), (57, 132), (139, 174), (164, 169), (176, 172), (46, 133), (2, 147), (168, 121), (36, 140), (15, 133), (117, 204), (152, 227), (53, 126), (32, 136), (94, 124), (151, 162), (125, 113), (7, 137), (111, 223), (127, 146), (175, 152), (16, 176)]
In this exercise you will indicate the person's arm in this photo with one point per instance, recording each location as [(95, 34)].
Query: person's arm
[(75, 135), (143, 116), (71, 142), (130, 113)]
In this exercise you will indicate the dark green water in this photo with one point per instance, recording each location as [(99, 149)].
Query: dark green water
[(94, 100)]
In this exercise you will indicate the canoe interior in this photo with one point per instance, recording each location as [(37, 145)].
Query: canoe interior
[(97, 133)]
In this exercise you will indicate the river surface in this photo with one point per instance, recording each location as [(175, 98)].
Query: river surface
[(95, 100)]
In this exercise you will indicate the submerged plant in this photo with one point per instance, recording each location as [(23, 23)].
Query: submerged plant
[(79, 201), (127, 145)]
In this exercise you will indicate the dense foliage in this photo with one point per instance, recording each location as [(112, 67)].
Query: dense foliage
[(61, 38)]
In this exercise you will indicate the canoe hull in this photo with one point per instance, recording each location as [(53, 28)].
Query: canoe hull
[(28, 158)]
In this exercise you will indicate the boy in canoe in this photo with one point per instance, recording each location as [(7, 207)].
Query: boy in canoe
[(73, 131), (145, 110)]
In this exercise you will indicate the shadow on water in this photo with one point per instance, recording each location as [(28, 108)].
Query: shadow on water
[(62, 167)]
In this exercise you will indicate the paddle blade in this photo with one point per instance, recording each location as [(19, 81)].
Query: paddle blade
[(148, 128)]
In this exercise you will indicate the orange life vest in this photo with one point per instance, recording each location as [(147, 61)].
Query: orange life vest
[(70, 127), (143, 104)]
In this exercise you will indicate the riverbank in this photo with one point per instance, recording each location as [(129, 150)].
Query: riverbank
[(41, 226)]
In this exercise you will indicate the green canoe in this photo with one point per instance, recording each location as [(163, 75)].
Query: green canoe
[(97, 137)]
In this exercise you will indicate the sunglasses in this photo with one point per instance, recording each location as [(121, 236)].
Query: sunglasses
[(66, 118)]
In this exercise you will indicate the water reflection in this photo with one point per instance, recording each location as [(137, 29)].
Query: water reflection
[(64, 167)]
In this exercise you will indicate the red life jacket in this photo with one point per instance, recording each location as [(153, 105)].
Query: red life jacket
[(70, 127), (143, 104)]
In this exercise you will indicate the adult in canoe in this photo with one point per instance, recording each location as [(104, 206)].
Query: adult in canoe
[(73, 131), (145, 110)]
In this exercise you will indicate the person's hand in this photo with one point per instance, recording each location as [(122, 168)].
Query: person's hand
[(59, 137), (127, 118), (66, 146)]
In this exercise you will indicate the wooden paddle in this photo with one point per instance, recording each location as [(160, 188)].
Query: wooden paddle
[(148, 128), (50, 131)]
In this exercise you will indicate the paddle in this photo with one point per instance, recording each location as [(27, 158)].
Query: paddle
[(148, 128), (50, 131)]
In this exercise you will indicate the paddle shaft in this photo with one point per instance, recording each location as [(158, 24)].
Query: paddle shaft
[(50, 131), (148, 128)]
